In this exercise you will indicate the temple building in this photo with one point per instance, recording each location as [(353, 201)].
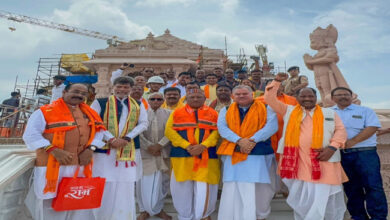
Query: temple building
[(161, 53)]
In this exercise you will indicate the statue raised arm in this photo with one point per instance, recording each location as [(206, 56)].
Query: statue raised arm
[(326, 73)]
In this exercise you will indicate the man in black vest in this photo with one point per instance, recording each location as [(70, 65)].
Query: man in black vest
[(119, 162)]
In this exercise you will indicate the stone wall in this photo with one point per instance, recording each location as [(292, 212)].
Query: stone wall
[(12, 198), (16, 165), (384, 151)]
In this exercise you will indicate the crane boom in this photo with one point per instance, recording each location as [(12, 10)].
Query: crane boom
[(111, 39)]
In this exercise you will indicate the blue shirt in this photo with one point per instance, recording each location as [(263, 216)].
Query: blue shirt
[(356, 118), (256, 168)]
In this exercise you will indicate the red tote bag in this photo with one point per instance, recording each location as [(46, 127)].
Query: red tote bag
[(76, 193)]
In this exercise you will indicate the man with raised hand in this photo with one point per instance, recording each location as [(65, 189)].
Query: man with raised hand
[(183, 79), (310, 157)]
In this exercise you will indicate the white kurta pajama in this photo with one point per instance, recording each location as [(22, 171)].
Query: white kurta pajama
[(248, 186), (193, 199), (38, 203), (118, 199), (150, 189)]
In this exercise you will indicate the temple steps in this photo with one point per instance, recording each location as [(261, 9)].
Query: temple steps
[(279, 210)]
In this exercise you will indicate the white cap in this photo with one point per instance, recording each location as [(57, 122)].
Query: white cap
[(156, 79)]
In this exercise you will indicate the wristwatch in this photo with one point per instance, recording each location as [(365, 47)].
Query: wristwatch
[(126, 138), (92, 148)]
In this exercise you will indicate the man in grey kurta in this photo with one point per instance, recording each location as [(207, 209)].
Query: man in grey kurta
[(153, 186)]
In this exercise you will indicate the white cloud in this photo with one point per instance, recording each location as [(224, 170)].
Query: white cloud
[(24, 40), (229, 5), (157, 3), (226, 6), (94, 15), (362, 25), (103, 15)]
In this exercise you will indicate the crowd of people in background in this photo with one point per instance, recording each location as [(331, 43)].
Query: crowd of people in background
[(183, 134)]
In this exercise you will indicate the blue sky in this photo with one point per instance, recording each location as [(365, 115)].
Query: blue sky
[(283, 26)]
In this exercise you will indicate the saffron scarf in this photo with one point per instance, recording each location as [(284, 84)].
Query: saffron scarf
[(59, 119), (146, 105), (254, 120), (207, 91), (126, 153), (289, 164), (184, 119)]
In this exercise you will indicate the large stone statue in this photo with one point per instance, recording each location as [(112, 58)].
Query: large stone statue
[(326, 73)]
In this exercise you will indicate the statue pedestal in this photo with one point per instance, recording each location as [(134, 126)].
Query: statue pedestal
[(384, 151)]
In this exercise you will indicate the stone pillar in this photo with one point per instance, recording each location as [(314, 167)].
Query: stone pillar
[(103, 86)]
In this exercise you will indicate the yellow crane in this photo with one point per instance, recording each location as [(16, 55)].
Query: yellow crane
[(112, 40)]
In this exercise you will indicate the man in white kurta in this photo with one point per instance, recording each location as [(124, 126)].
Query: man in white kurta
[(118, 199), (249, 185), (56, 91), (151, 189), (37, 137)]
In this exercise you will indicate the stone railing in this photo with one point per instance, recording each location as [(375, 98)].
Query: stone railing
[(16, 165)]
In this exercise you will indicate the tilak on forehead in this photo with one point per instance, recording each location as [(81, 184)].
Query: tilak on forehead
[(195, 90)]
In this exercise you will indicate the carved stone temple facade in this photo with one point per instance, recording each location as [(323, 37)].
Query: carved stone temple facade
[(161, 53)]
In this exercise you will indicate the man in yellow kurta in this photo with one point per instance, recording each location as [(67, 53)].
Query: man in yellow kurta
[(172, 98), (192, 129)]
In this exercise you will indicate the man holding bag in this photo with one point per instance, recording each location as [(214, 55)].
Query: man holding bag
[(64, 135)]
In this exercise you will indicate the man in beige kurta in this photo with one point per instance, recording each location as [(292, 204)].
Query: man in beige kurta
[(154, 184)]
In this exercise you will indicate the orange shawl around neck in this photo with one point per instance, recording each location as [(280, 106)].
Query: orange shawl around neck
[(254, 120), (59, 119), (289, 164)]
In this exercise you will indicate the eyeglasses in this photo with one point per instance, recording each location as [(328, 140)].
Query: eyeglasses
[(156, 99)]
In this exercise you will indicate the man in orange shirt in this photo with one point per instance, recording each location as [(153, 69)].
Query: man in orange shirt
[(310, 157)]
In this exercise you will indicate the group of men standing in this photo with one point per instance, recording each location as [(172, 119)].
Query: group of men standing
[(172, 141)]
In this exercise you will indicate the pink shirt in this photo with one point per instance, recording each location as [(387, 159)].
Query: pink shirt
[(331, 172)]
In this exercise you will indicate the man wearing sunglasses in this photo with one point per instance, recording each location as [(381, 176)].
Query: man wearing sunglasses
[(155, 148)]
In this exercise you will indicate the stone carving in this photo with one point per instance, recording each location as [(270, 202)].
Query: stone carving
[(326, 73), (159, 52)]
